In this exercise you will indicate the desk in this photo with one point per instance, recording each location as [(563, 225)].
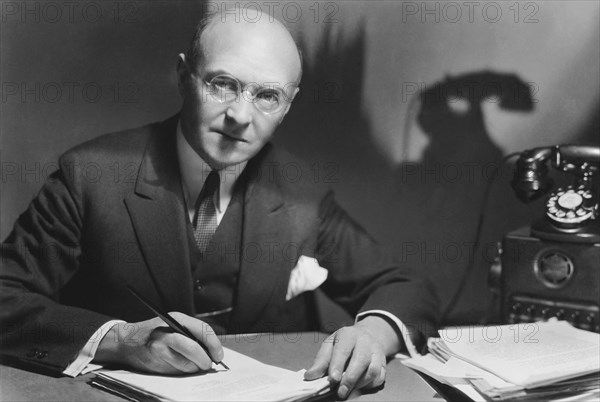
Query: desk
[(292, 351)]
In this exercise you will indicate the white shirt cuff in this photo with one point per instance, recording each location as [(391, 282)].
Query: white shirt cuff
[(399, 325), (87, 353)]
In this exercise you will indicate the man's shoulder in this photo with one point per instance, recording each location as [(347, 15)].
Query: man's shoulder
[(294, 175), (120, 146)]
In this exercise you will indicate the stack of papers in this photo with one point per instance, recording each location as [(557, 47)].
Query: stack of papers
[(247, 379), (544, 361)]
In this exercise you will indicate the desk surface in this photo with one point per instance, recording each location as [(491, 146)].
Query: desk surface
[(292, 351)]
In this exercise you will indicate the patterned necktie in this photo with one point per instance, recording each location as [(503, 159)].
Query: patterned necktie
[(205, 215)]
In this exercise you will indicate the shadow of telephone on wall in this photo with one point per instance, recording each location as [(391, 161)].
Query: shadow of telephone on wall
[(452, 115), (446, 194)]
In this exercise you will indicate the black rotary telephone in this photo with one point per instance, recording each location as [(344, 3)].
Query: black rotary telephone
[(571, 213), (552, 268)]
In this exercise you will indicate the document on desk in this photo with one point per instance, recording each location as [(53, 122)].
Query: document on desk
[(528, 355), (248, 380), (537, 361)]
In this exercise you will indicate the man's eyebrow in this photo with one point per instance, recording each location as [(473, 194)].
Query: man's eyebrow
[(214, 73), (274, 85)]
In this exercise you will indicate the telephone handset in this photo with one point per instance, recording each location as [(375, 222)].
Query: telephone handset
[(571, 213)]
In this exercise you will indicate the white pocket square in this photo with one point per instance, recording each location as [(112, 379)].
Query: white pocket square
[(306, 275)]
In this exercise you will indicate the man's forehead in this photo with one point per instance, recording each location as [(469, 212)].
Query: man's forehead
[(262, 51)]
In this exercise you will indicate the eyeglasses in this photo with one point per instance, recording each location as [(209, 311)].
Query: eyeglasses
[(227, 89)]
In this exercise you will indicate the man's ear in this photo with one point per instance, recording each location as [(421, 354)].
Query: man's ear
[(183, 73)]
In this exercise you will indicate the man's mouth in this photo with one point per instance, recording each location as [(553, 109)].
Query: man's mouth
[(230, 137)]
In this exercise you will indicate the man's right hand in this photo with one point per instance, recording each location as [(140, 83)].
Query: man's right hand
[(152, 346)]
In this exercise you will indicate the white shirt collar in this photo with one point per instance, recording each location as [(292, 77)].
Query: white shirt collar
[(194, 171)]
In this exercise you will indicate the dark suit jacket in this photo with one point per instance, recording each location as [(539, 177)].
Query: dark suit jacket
[(114, 213)]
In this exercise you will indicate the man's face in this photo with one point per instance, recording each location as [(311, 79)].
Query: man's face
[(228, 133)]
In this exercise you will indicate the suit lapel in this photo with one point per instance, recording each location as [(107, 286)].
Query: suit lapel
[(158, 214), (263, 267), (157, 211)]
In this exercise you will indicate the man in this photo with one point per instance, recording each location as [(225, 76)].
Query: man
[(207, 192)]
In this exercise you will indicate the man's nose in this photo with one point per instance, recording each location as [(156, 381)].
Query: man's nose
[(241, 111)]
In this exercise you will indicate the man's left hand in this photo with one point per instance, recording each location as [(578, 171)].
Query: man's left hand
[(355, 356)]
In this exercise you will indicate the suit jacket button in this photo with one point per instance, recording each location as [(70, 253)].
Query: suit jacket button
[(32, 352), (197, 285)]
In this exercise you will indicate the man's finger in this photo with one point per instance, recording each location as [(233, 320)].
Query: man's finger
[(356, 371), (342, 349), (180, 363), (204, 333), (319, 367), (163, 359), (374, 376), (191, 351), (381, 379)]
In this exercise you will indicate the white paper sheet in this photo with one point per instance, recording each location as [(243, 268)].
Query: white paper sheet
[(527, 354), (247, 379)]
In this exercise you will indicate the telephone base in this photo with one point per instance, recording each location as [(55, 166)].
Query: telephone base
[(540, 278), (589, 233)]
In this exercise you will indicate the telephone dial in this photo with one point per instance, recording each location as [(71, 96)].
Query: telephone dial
[(552, 268)]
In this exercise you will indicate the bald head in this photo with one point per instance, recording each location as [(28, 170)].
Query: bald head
[(263, 39)]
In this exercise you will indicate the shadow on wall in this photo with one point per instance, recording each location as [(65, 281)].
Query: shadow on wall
[(452, 116), (589, 133), (452, 184), (326, 125)]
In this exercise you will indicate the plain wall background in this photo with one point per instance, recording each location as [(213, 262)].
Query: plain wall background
[(70, 73)]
